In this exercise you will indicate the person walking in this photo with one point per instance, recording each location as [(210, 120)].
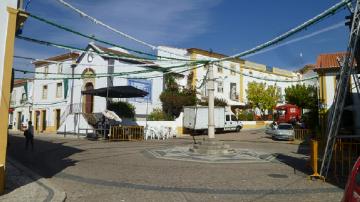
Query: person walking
[(29, 136)]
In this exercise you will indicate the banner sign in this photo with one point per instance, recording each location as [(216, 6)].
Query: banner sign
[(142, 84)]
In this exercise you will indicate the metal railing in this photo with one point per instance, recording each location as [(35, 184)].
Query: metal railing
[(345, 154), (76, 108), (127, 133), (302, 134)]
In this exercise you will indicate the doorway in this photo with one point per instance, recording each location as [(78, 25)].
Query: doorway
[(19, 121), (43, 121), (37, 120), (57, 118), (89, 99)]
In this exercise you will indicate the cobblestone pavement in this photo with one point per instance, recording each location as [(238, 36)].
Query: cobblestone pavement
[(24, 185), (126, 171)]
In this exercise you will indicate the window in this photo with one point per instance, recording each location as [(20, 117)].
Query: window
[(227, 117), (233, 118), (46, 71), (220, 69), (13, 97), (233, 92), (60, 68), (285, 127), (59, 90), (44, 92), (23, 98), (357, 179), (220, 87), (232, 71)]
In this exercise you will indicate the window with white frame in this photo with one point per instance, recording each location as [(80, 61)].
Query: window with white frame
[(59, 89), (46, 71), (59, 68), (44, 92), (219, 68), (220, 86)]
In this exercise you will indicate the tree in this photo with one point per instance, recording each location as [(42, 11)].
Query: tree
[(122, 109), (219, 102), (261, 96), (174, 99), (302, 96)]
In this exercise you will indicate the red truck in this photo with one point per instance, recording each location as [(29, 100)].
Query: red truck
[(352, 189), (287, 113)]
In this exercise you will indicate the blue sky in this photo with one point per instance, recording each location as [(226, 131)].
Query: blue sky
[(224, 26)]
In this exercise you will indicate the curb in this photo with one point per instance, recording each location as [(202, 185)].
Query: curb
[(54, 193)]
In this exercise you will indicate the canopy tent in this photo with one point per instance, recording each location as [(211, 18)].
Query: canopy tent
[(116, 92)]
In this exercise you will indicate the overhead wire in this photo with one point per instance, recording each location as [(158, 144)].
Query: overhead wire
[(330, 11), (263, 78), (82, 64), (100, 40), (98, 22), (278, 39)]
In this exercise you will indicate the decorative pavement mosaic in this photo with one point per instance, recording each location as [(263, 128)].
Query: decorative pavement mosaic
[(182, 153)]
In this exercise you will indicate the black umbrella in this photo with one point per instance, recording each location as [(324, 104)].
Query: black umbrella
[(116, 92)]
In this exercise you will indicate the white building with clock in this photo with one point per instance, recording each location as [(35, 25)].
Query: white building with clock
[(58, 102)]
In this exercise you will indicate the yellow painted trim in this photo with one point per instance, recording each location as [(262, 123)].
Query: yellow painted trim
[(5, 91), (50, 129), (241, 96), (334, 83), (322, 79), (180, 131), (325, 88), (194, 71)]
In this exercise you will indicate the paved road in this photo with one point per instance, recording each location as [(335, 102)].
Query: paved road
[(125, 171)]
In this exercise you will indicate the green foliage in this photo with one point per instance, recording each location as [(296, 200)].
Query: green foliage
[(158, 115), (217, 102), (174, 99), (261, 96), (122, 109), (302, 96), (246, 116)]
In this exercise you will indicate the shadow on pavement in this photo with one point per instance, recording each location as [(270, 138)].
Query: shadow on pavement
[(298, 164), (47, 159)]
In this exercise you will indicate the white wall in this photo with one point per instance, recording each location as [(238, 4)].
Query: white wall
[(52, 102)]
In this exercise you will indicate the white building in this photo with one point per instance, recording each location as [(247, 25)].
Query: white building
[(20, 111), (51, 91), (59, 104), (232, 76)]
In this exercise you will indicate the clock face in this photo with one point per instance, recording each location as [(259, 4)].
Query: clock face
[(90, 57)]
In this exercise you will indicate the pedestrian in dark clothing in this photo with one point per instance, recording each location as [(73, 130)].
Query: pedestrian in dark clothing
[(29, 136)]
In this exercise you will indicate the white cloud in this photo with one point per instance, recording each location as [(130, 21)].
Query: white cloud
[(159, 22)]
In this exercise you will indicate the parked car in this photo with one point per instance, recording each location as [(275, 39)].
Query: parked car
[(284, 131), (270, 129), (352, 189)]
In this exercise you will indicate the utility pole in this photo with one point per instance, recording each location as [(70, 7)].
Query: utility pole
[(72, 87), (72, 94), (210, 87)]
